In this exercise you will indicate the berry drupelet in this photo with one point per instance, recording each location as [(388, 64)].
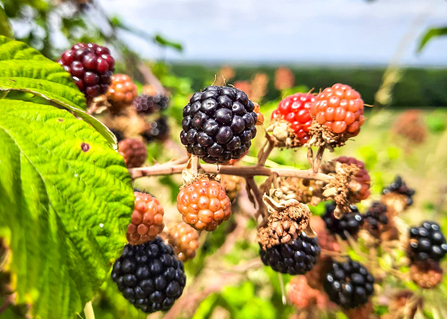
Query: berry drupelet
[(349, 284), (91, 67), (149, 276), (427, 242), (294, 258), (218, 124), (350, 222)]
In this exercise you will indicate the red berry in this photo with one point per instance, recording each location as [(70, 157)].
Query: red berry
[(146, 221), (295, 110), (204, 204), (134, 152), (122, 92), (94, 59), (184, 239), (340, 108)]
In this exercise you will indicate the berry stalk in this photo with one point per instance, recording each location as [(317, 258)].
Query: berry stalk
[(243, 171)]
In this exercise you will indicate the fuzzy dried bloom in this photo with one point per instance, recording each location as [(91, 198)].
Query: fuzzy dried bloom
[(286, 221), (343, 187)]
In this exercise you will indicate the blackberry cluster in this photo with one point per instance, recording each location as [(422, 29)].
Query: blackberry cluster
[(399, 186), (149, 275), (204, 204), (340, 108), (427, 242), (295, 258), (158, 130), (133, 151), (376, 215), (294, 109), (91, 67), (218, 124), (148, 104), (349, 284), (146, 221), (349, 222)]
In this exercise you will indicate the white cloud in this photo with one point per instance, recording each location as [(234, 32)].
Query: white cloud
[(345, 31)]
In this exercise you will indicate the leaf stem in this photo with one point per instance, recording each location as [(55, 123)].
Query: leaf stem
[(88, 311)]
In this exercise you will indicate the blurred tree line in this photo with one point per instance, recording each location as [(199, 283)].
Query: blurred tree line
[(417, 87)]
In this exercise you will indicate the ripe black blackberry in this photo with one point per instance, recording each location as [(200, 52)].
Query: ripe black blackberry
[(148, 104), (349, 222), (149, 275), (376, 215), (427, 242), (400, 187), (158, 130), (295, 258), (91, 67), (218, 124), (348, 284)]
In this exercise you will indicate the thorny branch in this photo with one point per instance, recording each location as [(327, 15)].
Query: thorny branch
[(243, 171)]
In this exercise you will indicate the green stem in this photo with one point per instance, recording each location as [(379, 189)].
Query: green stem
[(88, 311)]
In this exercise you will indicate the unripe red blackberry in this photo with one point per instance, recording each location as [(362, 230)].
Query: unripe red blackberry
[(362, 177), (398, 186), (204, 204), (294, 110), (350, 222), (149, 276), (340, 108), (376, 216), (148, 104), (91, 67), (121, 92), (427, 242), (304, 297), (185, 240), (426, 274), (349, 284), (294, 258), (134, 152), (146, 221), (218, 124)]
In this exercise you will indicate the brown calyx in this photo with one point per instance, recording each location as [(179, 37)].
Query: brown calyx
[(343, 188), (285, 223), (283, 134), (321, 135), (395, 202), (303, 190)]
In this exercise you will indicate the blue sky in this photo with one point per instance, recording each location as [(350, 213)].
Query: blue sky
[(275, 31)]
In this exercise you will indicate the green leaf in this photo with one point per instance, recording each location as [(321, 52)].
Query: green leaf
[(5, 27), (166, 43), (27, 70), (65, 200), (430, 34)]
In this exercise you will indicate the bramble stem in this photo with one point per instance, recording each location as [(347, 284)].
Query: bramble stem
[(318, 157), (243, 171)]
